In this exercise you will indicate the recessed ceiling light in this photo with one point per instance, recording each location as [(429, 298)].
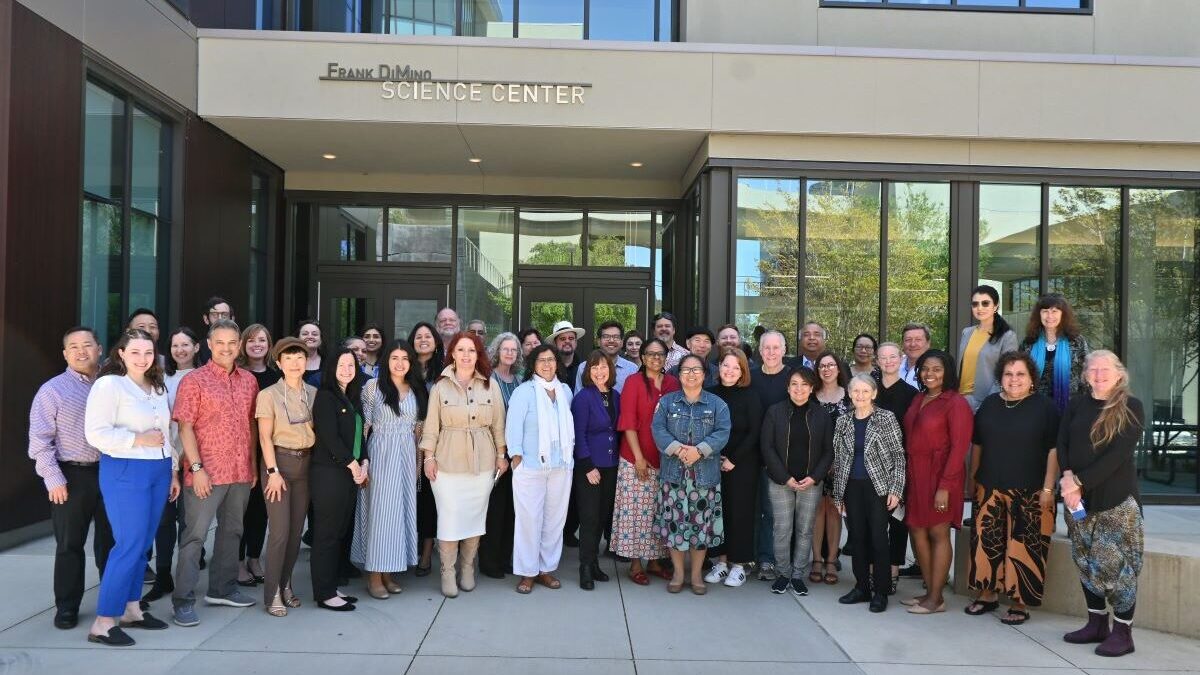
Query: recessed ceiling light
[(475, 160), (329, 155), (636, 165)]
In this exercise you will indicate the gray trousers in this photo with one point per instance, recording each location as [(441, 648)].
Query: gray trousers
[(794, 514), (227, 504)]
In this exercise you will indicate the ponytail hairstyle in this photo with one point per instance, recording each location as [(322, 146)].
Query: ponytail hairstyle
[(999, 325), (1115, 416)]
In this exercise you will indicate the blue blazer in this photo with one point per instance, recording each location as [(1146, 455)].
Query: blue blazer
[(596, 438)]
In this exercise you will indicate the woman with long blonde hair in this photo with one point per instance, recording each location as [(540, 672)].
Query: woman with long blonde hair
[(1096, 443)]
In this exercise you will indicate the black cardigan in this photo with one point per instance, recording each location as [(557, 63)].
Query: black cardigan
[(333, 423), (1109, 475), (745, 414), (776, 427)]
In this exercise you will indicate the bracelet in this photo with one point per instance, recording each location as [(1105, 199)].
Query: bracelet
[(430, 459), (1048, 491)]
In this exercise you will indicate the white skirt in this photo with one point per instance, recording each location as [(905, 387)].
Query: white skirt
[(462, 501)]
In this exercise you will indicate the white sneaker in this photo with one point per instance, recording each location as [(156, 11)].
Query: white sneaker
[(717, 574), (737, 577)]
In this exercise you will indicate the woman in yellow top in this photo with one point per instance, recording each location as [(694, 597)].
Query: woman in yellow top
[(463, 454), (981, 345)]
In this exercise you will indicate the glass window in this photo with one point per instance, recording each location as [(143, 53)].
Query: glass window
[(487, 18), (485, 265), (1010, 220), (620, 19), (414, 17), (918, 259), (551, 238), (333, 16), (767, 254), (102, 269), (104, 143), (259, 233), (543, 315), (1085, 256), (555, 19), (619, 239), (350, 233), (664, 244), (418, 235), (349, 317), (1164, 316), (624, 313), (408, 313), (666, 20), (143, 260), (842, 259), (150, 153), (1030, 4)]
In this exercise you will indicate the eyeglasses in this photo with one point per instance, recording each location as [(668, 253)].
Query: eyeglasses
[(827, 366), (509, 350), (981, 303), (695, 370), (858, 348), (219, 315), (546, 360), (611, 336), (301, 418), (654, 355)]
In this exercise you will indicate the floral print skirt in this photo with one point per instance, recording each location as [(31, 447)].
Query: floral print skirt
[(1107, 547), (634, 533), (690, 517)]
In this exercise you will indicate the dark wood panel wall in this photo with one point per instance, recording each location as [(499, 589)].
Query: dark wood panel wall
[(41, 92)]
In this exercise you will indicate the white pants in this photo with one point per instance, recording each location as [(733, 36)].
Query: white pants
[(540, 498)]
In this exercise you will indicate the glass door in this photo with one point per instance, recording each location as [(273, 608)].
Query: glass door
[(346, 306), (542, 306)]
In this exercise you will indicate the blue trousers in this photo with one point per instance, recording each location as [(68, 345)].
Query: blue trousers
[(135, 493)]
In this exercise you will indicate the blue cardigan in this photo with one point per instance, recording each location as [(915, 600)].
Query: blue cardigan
[(596, 437), (521, 427)]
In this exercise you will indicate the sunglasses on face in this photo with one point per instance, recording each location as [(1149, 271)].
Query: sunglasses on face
[(981, 303)]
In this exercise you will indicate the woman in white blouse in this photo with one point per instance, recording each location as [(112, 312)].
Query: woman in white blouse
[(128, 419)]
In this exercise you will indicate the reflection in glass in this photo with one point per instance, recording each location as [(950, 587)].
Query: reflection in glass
[(555, 19), (842, 259), (487, 18), (332, 16), (349, 315), (620, 19), (349, 233), (767, 254), (485, 265), (1010, 218), (104, 143), (551, 238), (619, 239), (625, 313), (1164, 315), (414, 17), (666, 20), (1085, 254), (543, 315), (259, 231), (418, 235), (409, 313), (150, 143), (918, 265), (664, 244), (101, 270), (143, 260)]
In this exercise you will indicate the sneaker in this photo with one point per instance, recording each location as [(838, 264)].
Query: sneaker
[(234, 599), (766, 571), (717, 574), (798, 587), (780, 586), (737, 576), (185, 615)]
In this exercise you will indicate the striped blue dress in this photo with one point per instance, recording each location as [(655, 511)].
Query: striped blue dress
[(385, 532)]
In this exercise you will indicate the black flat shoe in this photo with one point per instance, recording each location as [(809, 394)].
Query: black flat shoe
[(348, 607), (855, 596), (490, 573), (65, 619), (598, 574), (423, 571), (585, 578), (115, 638), (247, 583), (147, 622), (879, 603)]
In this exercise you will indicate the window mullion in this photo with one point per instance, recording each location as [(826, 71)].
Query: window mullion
[(127, 210)]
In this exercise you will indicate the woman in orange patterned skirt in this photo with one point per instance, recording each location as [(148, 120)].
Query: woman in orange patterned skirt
[(1013, 470)]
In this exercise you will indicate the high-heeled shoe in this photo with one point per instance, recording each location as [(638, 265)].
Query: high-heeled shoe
[(289, 597)]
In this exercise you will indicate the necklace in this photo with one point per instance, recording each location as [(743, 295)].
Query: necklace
[(1011, 404)]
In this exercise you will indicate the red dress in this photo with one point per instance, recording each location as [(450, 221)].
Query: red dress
[(938, 438)]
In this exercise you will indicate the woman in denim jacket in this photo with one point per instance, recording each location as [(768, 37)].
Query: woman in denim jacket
[(691, 427)]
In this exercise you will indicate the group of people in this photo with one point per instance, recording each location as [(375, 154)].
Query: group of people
[(696, 462)]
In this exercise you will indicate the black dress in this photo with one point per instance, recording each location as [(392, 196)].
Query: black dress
[(739, 487)]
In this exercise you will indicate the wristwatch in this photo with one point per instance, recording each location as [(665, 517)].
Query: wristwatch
[(272, 470), (196, 466)]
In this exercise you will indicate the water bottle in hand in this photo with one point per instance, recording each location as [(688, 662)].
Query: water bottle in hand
[(1078, 513)]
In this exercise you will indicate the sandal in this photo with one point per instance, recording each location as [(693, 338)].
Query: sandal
[(920, 609), (1015, 617), (289, 597), (895, 583), (639, 578), (981, 607), (277, 606), (815, 575), (525, 585), (546, 579), (831, 578), (662, 573)]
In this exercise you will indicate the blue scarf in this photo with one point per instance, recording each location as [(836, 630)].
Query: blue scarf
[(1062, 367)]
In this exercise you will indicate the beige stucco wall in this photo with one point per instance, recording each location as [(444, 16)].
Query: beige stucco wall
[(1128, 27), (149, 39)]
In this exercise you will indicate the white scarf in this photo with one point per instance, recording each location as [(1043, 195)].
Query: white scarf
[(555, 425)]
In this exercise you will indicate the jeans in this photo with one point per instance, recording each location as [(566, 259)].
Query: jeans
[(794, 514), (764, 524)]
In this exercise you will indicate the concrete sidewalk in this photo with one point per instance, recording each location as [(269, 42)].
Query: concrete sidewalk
[(618, 628)]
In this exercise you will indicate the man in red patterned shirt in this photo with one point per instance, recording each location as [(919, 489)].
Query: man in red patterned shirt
[(215, 411)]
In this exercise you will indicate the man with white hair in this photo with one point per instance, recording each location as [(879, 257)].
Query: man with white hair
[(448, 325), (769, 380)]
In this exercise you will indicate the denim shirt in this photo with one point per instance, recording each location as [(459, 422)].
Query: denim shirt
[(704, 424)]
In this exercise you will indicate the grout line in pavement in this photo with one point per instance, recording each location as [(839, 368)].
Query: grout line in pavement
[(428, 629), (832, 639), (624, 614)]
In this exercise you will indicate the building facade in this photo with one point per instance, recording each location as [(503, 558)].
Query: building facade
[(766, 162)]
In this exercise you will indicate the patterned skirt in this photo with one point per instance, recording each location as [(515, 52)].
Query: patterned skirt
[(1107, 548), (633, 532), (690, 517), (1009, 544)]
